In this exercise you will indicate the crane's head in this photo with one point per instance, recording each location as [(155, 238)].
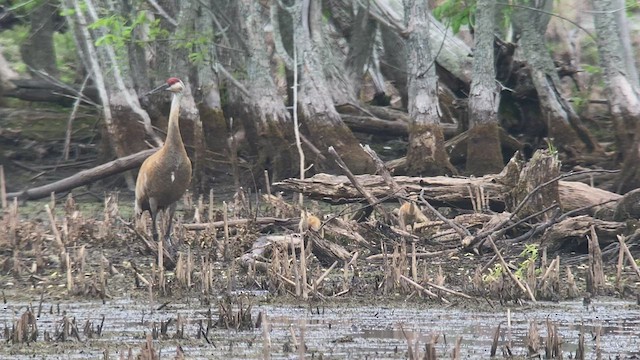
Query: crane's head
[(173, 84)]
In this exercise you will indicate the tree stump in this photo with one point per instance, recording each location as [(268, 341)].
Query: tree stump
[(533, 188)]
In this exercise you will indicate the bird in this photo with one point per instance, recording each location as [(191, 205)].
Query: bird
[(165, 176)]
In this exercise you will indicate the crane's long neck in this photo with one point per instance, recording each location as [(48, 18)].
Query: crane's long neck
[(174, 139)]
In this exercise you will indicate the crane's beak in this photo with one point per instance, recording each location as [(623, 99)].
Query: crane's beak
[(158, 89)]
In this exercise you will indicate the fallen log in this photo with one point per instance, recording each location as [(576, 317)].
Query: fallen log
[(47, 91), (439, 189), (240, 222), (84, 177)]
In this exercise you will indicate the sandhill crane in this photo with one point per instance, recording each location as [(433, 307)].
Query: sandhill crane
[(165, 175)]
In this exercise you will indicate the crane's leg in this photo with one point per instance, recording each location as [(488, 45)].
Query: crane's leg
[(169, 217), (153, 209)]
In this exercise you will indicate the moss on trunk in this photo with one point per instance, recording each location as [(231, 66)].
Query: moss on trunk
[(324, 134), (484, 155), (426, 155)]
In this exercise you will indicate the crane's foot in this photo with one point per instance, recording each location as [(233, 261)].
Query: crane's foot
[(169, 246)]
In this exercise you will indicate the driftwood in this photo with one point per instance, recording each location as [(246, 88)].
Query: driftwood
[(439, 189), (571, 233), (84, 177), (382, 120), (240, 222)]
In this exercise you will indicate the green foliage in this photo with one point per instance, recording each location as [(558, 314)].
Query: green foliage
[(553, 150), (66, 56), (458, 12), (592, 69), (530, 255), (119, 30), (494, 274), (10, 41)]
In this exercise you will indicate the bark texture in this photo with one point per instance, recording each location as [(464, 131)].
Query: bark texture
[(624, 101), (324, 125), (37, 50), (267, 123), (562, 123), (484, 155), (426, 154)]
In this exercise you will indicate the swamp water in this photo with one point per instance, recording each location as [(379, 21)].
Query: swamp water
[(336, 332)]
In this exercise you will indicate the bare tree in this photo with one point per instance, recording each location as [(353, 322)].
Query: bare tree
[(426, 154), (484, 154), (530, 19), (267, 123), (316, 93), (623, 99), (37, 50)]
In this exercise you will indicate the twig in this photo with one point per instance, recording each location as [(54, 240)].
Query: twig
[(632, 262), (367, 195), (463, 232), (525, 287), (423, 289), (72, 116)]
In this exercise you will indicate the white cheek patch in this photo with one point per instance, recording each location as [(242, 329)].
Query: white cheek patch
[(173, 176)]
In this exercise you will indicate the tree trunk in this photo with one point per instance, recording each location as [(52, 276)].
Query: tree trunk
[(322, 121), (562, 123), (452, 58), (214, 124), (190, 122), (126, 121), (484, 154), (267, 122), (38, 51), (426, 154), (623, 100), (361, 39)]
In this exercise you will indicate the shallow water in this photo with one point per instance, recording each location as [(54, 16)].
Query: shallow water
[(337, 332)]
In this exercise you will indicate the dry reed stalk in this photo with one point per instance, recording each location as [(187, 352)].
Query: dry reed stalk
[(414, 268), (225, 217), (522, 287), (199, 209), (189, 267), (13, 223), (630, 258), (494, 343), (324, 274), (346, 278), (267, 182), (509, 330), (580, 350), (440, 278), (595, 280), (455, 354), (102, 278), (3, 188), (302, 347), (619, 266), (210, 214), (303, 270), (266, 337), (447, 290), (430, 350), (25, 329), (533, 339), (296, 273), (52, 200), (161, 279), (69, 273), (54, 228), (423, 289), (572, 289)]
